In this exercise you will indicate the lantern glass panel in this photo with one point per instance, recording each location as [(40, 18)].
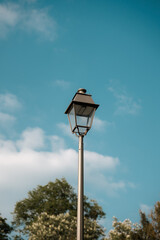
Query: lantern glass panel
[(84, 115), (71, 116)]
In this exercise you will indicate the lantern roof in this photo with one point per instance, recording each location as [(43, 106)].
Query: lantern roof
[(83, 99)]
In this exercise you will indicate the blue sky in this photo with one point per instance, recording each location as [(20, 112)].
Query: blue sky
[(50, 49)]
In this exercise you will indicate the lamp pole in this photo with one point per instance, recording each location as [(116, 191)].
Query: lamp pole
[(80, 217), (80, 114)]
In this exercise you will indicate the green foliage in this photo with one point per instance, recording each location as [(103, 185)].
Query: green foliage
[(151, 224), (5, 229), (125, 230), (62, 227), (18, 237), (155, 216), (54, 199), (148, 229)]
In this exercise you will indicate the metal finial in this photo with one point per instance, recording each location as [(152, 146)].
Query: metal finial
[(82, 90)]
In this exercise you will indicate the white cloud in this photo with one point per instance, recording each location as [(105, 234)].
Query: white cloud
[(40, 22), (100, 162), (15, 16), (99, 124), (125, 104), (6, 119), (7, 146), (131, 185), (9, 16), (99, 181), (21, 164), (57, 143), (145, 208), (37, 159), (9, 102), (61, 83), (21, 157), (31, 139), (66, 130)]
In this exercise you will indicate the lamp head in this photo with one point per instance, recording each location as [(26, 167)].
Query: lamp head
[(81, 112)]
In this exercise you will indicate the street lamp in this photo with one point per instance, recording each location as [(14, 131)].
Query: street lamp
[(81, 113)]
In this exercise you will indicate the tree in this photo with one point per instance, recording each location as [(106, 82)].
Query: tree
[(125, 230), (62, 227), (151, 223), (148, 229), (147, 232), (155, 216), (54, 199), (5, 229)]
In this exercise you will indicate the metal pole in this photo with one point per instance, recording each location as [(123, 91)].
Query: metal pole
[(80, 217)]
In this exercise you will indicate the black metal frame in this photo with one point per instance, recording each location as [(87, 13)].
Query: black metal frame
[(85, 102), (80, 126), (80, 103)]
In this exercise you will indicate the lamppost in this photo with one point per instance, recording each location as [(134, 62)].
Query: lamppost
[(80, 113)]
